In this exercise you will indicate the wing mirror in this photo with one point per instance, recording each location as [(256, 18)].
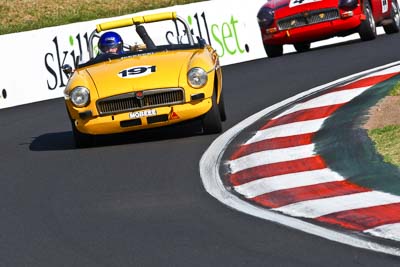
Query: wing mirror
[(67, 69)]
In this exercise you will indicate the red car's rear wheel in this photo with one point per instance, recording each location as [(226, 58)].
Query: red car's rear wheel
[(393, 27)]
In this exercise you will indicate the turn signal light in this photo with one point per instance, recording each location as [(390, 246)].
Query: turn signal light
[(347, 14), (272, 30)]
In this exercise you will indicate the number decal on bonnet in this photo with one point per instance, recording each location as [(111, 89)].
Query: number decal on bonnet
[(136, 72), (294, 3)]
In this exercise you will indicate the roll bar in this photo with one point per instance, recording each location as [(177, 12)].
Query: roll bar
[(135, 21)]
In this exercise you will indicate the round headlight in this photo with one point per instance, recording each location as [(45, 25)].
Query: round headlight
[(197, 77), (265, 17), (351, 4), (80, 96)]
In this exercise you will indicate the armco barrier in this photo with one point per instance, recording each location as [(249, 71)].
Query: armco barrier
[(31, 61)]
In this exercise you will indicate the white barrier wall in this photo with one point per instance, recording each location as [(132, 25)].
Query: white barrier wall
[(31, 61)]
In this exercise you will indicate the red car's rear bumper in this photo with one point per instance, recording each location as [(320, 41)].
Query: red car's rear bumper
[(314, 32)]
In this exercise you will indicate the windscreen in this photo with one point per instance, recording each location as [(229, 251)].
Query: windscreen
[(147, 38)]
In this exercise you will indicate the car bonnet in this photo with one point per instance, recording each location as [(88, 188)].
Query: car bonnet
[(293, 6), (139, 72)]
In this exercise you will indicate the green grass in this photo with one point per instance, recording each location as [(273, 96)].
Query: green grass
[(24, 15), (396, 90), (387, 139), (387, 143)]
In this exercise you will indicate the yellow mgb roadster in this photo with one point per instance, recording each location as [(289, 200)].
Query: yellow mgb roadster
[(156, 81)]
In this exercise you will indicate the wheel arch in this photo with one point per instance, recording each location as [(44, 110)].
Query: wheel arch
[(371, 4), (374, 8)]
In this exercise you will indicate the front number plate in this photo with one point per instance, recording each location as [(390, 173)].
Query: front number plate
[(144, 113)]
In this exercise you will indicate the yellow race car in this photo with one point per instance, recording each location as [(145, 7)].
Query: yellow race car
[(153, 82)]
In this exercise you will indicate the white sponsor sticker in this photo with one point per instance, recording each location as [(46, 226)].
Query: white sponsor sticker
[(385, 6), (144, 113), (294, 3), (137, 71)]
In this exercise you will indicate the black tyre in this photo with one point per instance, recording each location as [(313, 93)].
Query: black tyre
[(221, 108), (274, 50), (367, 29), (82, 140), (302, 47), (394, 26), (212, 119)]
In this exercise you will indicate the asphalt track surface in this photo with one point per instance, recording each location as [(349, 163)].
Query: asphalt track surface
[(138, 200)]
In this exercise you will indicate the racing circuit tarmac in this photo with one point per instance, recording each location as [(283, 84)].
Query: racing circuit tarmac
[(139, 201)]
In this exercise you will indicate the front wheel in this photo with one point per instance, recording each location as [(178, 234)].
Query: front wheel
[(221, 107), (81, 140), (367, 30), (394, 26), (212, 119), (273, 50), (302, 47)]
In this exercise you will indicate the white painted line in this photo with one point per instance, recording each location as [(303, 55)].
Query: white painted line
[(287, 181), (290, 129), (210, 164), (271, 156), (389, 231), (320, 207), (384, 72), (334, 98)]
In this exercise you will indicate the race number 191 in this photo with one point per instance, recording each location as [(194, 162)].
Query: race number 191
[(137, 71)]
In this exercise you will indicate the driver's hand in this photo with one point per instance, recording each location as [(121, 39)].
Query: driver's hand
[(138, 47)]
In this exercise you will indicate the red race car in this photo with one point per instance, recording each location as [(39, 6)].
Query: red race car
[(300, 22)]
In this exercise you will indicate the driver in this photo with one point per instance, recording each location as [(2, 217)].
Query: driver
[(111, 43)]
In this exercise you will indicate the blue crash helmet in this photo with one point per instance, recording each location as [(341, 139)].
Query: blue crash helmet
[(110, 40)]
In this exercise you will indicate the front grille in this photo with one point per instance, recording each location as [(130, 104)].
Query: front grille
[(130, 101), (308, 18)]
